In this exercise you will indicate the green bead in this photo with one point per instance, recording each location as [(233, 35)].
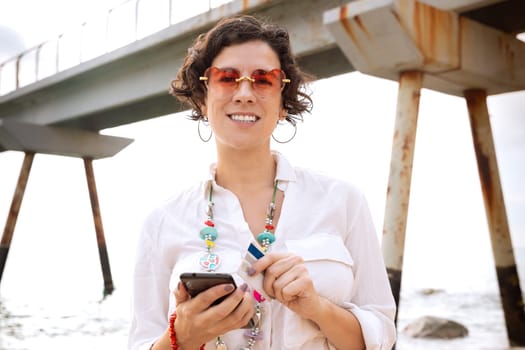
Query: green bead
[(266, 236), (210, 232)]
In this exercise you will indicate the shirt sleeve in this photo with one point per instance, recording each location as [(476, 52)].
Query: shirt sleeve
[(150, 297), (372, 301)]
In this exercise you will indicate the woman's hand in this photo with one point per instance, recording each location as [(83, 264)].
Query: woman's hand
[(198, 322), (286, 279)]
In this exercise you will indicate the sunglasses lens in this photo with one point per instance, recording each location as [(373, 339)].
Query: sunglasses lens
[(228, 79), (224, 77), (266, 81)]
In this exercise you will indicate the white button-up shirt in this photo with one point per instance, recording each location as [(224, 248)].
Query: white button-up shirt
[(324, 220)]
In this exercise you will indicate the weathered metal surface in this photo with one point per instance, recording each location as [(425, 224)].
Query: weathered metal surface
[(372, 40), (97, 219), (510, 291), (12, 217), (398, 193), (25, 137), (384, 37), (131, 83), (434, 32), (491, 60)]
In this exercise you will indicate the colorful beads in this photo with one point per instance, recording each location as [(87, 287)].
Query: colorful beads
[(210, 262), (269, 227), (266, 237), (258, 296), (209, 233), (209, 244)]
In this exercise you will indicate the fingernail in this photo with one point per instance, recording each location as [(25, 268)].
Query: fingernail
[(243, 287), (228, 288), (251, 271)]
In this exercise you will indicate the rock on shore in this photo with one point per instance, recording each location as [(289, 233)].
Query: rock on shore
[(436, 328)]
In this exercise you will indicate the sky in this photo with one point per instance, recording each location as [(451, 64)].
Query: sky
[(348, 124)]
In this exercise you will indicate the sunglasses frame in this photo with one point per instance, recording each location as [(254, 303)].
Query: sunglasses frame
[(284, 80)]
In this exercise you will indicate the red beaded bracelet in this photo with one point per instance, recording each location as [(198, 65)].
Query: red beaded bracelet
[(173, 335)]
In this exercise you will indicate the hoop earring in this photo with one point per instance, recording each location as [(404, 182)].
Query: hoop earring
[(204, 121), (293, 135)]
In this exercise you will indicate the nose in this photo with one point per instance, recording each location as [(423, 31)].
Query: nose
[(244, 91)]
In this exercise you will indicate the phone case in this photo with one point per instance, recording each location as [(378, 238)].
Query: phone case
[(196, 282)]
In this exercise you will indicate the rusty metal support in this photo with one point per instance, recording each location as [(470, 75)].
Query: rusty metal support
[(398, 193), (508, 278), (101, 241), (10, 224)]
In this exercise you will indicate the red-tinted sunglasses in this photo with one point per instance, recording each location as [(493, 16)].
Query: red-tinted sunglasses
[(228, 79)]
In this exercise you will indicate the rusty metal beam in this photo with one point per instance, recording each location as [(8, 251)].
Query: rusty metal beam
[(398, 193), (12, 218), (508, 279), (97, 219)]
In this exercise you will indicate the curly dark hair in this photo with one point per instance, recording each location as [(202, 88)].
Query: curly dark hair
[(237, 30)]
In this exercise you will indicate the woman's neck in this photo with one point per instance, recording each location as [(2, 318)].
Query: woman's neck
[(239, 171)]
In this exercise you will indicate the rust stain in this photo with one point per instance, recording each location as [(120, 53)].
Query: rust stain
[(485, 176), (435, 33), (407, 145), (474, 99), (360, 24), (343, 13)]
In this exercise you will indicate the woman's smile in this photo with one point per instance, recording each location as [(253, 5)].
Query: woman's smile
[(243, 118)]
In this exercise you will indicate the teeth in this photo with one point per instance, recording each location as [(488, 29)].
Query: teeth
[(243, 118)]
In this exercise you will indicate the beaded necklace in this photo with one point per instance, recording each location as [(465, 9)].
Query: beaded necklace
[(210, 261)]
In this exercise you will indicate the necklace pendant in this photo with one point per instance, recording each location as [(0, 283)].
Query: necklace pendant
[(220, 345), (210, 261)]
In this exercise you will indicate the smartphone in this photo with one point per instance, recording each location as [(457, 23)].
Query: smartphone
[(196, 282)]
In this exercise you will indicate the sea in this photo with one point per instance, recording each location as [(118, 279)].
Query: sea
[(86, 321)]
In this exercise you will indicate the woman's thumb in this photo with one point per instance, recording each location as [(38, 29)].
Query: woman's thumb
[(181, 294)]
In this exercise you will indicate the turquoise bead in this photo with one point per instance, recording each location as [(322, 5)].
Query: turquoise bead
[(209, 231), (266, 235)]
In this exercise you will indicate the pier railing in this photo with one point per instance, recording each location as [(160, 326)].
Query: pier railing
[(123, 24)]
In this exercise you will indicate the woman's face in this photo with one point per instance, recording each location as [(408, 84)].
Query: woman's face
[(243, 115)]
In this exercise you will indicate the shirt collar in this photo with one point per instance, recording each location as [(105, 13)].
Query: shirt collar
[(284, 173)]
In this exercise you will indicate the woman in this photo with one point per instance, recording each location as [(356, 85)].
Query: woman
[(322, 276)]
